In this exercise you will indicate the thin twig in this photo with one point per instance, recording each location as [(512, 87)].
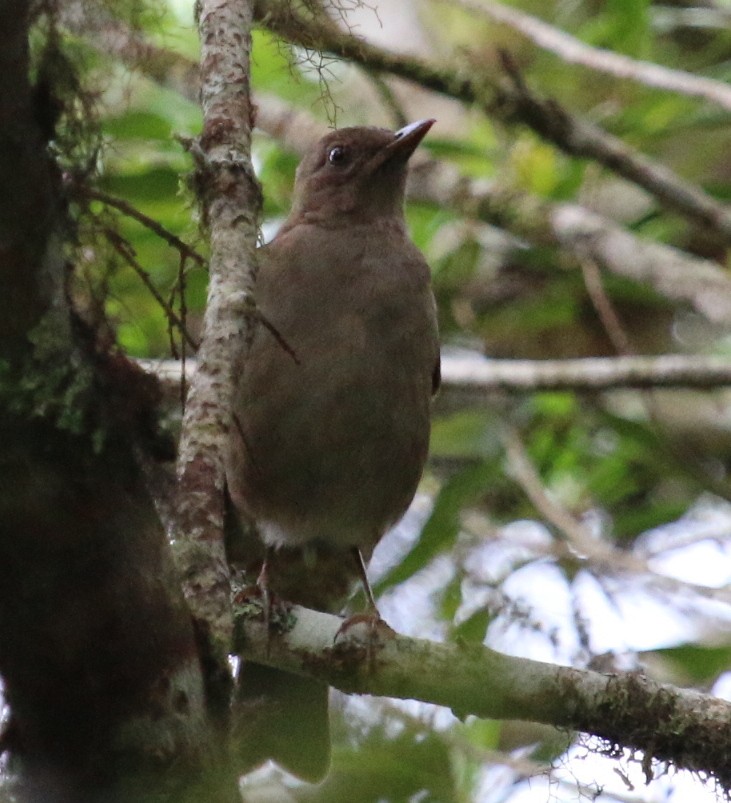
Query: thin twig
[(277, 335), (566, 525), (581, 544), (125, 251), (604, 307), (150, 223), (686, 457), (635, 565), (388, 97)]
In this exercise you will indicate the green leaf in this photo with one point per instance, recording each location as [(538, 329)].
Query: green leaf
[(474, 628), (152, 184), (470, 434), (138, 125), (483, 733)]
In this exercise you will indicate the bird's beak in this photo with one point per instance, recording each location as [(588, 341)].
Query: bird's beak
[(407, 139)]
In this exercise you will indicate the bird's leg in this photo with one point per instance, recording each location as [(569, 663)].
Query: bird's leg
[(262, 583), (371, 618), (370, 600)]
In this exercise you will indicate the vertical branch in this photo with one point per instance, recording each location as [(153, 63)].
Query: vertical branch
[(231, 201)]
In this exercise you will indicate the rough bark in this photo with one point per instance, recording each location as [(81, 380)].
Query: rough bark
[(27, 203), (231, 200), (97, 653)]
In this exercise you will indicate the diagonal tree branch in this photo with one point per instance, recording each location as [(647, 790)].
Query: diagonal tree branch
[(671, 272), (128, 209), (580, 138), (594, 552), (125, 251), (574, 51), (514, 104)]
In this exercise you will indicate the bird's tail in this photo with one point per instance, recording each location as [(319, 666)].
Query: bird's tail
[(283, 717)]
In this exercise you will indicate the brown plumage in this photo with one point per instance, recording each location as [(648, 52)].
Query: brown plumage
[(331, 433)]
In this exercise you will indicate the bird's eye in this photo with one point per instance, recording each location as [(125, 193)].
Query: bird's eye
[(337, 155)]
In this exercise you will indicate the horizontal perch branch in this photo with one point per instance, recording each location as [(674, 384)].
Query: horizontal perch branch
[(687, 728), (594, 373), (474, 373)]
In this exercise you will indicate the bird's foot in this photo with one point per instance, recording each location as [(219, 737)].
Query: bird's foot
[(260, 596), (370, 619), (370, 628), (364, 631), (262, 583)]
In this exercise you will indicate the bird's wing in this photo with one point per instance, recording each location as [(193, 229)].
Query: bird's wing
[(436, 376)]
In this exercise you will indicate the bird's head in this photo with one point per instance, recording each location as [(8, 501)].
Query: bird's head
[(355, 175)]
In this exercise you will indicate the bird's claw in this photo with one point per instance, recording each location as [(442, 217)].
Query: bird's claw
[(369, 631)]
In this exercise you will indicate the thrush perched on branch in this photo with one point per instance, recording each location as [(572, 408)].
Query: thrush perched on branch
[(332, 406)]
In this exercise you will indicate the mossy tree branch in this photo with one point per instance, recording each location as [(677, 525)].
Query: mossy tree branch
[(231, 200), (689, 729)]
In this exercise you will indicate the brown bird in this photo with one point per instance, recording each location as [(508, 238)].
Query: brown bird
[(332, 408)]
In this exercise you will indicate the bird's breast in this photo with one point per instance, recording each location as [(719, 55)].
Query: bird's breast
[(334, 441)]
